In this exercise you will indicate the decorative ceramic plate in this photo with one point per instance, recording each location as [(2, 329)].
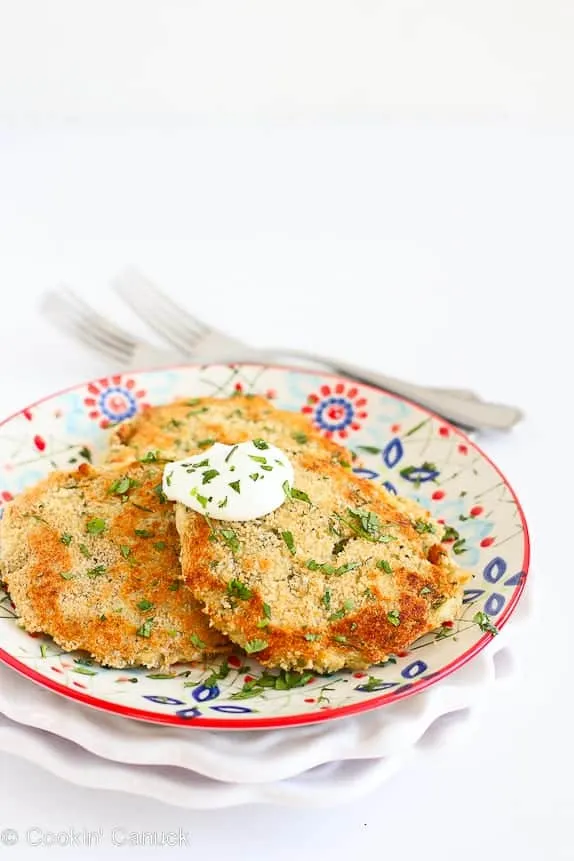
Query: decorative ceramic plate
[(401, 445)]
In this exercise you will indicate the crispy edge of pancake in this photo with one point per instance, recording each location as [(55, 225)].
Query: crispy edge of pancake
[(189, 421), (96, 599)]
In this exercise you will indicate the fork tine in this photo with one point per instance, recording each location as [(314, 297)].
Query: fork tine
[(160, 312), (85, 335), (133, 282), (89, 315), (85, 325)]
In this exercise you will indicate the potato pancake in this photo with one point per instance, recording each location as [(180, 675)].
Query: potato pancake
[(343, 574), (91, 558)]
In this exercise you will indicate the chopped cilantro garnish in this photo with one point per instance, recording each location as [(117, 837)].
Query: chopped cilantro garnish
[(458, 546), (255, 646), (174, 586), (369, 449), (286, 680), (230, 538), (150, 457), (159, 545), (209, 475), (236, 486), (328, 568), (340, 614), (197, 641), (203, 500), (340, 638), (95, 526), (158, 490), (66, 538), (426, 590), (231, 453), (266, 467), (266, 610), (169, 478), (205, 443), (237, 589), (260, 444), (96, 571), (85, 453), (223, 503), (483, 621), (312, 637), (372, 684), (394, 617), (223, 671), (257, 458), (289, 541), (449, 533), (249, 689), (67, 575), (144, 604), (143, 533), (422, 526), (326, 599), (145, 628), (367, 525), (163, 675), (85, 551), (384, 566), (348, 566), (300, 437), (254, 476), (366, 522), (300, 494), (122, 485), (125, 550)]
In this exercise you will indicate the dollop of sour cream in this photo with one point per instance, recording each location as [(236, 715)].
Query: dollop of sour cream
[(231, 482)]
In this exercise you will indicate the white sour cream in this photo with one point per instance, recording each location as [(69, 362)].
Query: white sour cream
[(231, 482)]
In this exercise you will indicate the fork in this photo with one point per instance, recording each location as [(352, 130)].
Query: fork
[(192, 337), (67, 311)]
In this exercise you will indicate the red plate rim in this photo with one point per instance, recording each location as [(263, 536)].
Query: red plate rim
[(293, 720)]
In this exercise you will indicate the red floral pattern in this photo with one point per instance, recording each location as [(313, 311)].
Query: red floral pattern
[(114, 399), (337, 409)]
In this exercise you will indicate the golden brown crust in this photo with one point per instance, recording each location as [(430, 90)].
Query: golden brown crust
[(112, 593), (352, 592), (176, 429)]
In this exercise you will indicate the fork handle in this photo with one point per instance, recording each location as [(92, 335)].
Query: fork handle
[(480, 415), (458, 409)]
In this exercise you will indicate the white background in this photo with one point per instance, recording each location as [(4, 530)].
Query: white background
[(168, 59), (416, 217)]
